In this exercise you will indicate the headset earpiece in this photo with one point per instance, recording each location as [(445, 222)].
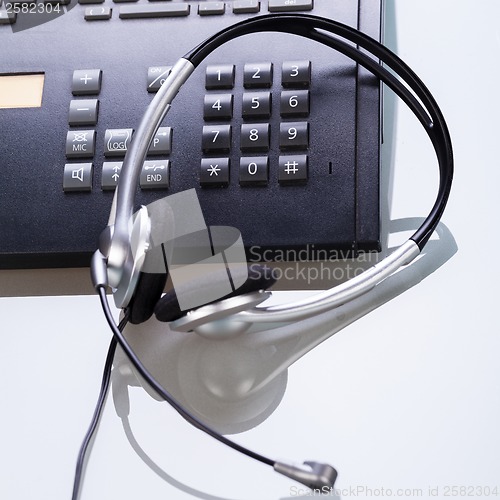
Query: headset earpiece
[(260, 277), (147, 294)]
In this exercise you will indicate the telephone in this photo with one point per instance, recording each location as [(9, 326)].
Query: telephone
[(279, 136)]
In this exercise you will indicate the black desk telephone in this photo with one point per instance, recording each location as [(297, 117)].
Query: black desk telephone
[(279, 136)]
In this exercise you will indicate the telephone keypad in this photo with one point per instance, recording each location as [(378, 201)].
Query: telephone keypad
[(255, 134)]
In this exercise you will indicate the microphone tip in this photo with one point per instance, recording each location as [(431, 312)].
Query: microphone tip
[(314, 475)]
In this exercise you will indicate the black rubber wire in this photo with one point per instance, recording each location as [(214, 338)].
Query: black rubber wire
[(85, 446), (164, 394)]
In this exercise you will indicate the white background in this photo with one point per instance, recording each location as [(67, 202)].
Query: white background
[(406, 397)]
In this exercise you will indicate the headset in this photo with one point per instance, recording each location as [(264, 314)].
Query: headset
[(124, 243)]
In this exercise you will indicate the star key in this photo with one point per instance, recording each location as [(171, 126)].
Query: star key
[(214, 172)]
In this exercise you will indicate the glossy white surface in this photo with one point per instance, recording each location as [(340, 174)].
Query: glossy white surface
[(407, 397)]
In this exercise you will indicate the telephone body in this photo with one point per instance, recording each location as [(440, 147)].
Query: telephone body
[(279, 136)]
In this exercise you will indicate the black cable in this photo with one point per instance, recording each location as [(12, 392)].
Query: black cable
[(143, 371), (84, 448)]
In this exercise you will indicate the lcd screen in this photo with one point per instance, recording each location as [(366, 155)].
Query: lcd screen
[(21, 91)]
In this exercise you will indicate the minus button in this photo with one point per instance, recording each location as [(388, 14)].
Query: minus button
[(83, 112)]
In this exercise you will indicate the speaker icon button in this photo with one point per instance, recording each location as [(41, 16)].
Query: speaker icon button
[(77, 177)]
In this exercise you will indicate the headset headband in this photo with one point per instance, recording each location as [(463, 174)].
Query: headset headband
[(122, 261)]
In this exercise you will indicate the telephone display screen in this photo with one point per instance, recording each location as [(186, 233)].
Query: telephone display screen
[(21, 91)]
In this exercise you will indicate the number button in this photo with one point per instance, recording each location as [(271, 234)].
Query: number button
[(296, 74), (258, 75), (218, 107), (216, 138), (294, 103), (255, 137), (294, 135), (220, 77), (254, 170), (257, 105)]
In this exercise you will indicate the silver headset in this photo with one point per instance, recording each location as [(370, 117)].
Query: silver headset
[(118, 263), (124, 243)]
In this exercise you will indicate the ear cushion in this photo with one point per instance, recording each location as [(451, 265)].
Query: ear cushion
[(149, 288), (260, 277)]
